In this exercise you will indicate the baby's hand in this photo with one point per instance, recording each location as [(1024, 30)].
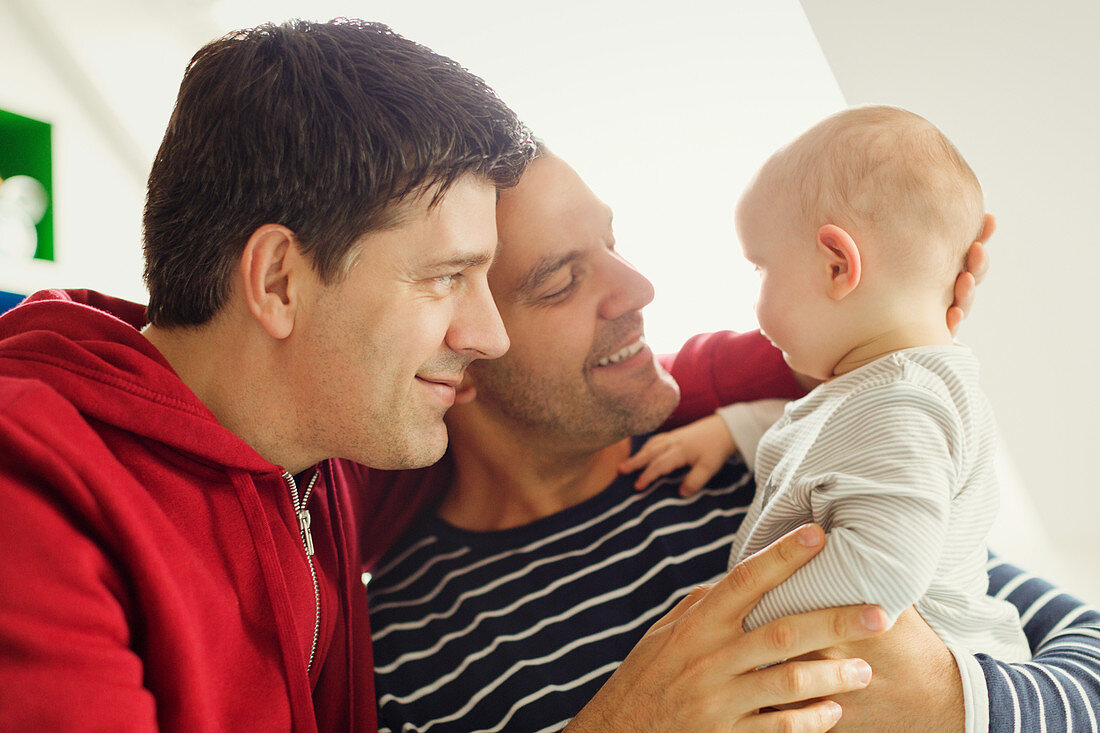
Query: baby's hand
[(704, 445)]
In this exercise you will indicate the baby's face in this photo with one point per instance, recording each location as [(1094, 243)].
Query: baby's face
[(791, 303)]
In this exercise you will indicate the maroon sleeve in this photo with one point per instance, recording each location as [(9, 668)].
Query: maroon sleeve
[(67, 660), (387, 502), (716, 369)]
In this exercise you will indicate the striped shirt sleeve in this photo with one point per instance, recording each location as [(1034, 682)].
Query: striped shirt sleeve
[(1059, 689)]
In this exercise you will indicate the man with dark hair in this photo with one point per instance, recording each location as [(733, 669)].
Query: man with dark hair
[(181, 555), (340, 129), (541, 585)]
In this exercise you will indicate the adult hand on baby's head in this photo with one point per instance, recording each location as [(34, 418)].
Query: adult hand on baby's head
[(977, 263)]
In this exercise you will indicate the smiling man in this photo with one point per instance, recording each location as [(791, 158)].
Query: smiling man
[(318, 231), (543, 591)]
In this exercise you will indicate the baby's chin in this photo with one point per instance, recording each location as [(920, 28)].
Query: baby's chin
[(799, 366)]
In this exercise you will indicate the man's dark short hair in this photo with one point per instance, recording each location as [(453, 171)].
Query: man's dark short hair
[(324, 128)]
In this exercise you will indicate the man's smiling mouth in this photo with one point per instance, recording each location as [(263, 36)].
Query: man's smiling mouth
[(624, 353)]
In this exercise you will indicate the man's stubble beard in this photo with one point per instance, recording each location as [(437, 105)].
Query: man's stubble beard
[(572, 411)]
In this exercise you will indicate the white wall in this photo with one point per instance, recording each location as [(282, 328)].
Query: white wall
[(1016, 85), (104, 74)]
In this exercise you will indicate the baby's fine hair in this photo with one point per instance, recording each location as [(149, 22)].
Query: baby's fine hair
[(890, 171)]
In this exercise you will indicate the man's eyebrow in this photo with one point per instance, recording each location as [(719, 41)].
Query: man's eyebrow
[(460, 261), (543, 270)]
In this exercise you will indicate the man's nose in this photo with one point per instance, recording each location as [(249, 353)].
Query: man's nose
[(477, 330), (629, 290)]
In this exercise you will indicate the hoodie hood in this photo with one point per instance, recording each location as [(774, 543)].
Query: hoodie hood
[(89, 349)]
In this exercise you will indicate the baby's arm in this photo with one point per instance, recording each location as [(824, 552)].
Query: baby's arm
[(880, 481), (705, 444)]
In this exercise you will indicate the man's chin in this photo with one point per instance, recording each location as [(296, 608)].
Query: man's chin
[(417, 451), (653, 406)]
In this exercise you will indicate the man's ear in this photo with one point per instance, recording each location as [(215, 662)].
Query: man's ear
[(842, 260), (268, 268)]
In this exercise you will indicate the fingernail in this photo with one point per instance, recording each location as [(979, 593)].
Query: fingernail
[(835, 711), (874, 619), (809, 536), (859, 671)]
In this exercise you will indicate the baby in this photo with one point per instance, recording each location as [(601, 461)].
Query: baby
[(858, 229)]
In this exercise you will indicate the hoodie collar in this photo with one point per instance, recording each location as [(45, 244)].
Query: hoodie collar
[(88, 347)]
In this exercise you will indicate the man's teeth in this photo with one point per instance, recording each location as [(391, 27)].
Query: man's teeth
[(625, 353)]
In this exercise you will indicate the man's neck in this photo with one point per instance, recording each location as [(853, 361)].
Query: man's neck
[(502, 480), (219, 364)]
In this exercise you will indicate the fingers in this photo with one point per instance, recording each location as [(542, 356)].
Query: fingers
[(659, 457), (965, 290), (681, 608), (697, 478), (652, 450), (819, 716), (793, 682), (738, 591), (793, 636), (977, 261), (989, 225), (645, 454), (955, 317), (667, 462)]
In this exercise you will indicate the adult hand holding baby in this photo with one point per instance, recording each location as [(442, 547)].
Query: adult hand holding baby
[(697, 669), (914, 672)]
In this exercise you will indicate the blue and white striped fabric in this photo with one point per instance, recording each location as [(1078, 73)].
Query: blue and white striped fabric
[(1059, 690), (516, 630)]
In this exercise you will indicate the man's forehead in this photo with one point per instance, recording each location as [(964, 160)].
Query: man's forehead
[(548, 221), (533, 254), (456, 232), (549, 191)]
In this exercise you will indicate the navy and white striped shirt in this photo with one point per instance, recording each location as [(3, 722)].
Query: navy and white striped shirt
[(516, 630)]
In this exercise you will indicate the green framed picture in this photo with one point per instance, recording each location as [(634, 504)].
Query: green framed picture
[(26, 187)]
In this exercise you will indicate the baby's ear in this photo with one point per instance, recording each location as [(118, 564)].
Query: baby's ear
[(842, 260)]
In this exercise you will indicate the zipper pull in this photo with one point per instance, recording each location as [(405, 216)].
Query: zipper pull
[(303, 526)]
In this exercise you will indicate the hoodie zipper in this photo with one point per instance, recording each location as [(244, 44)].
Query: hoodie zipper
[(307, 542)]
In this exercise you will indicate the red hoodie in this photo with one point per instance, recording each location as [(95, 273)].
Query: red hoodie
[(154, 575)]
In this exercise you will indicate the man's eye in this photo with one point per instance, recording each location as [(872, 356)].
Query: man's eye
[(560, 293), (447, 280)]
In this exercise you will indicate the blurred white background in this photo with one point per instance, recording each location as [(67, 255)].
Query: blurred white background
[(666, 110)]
